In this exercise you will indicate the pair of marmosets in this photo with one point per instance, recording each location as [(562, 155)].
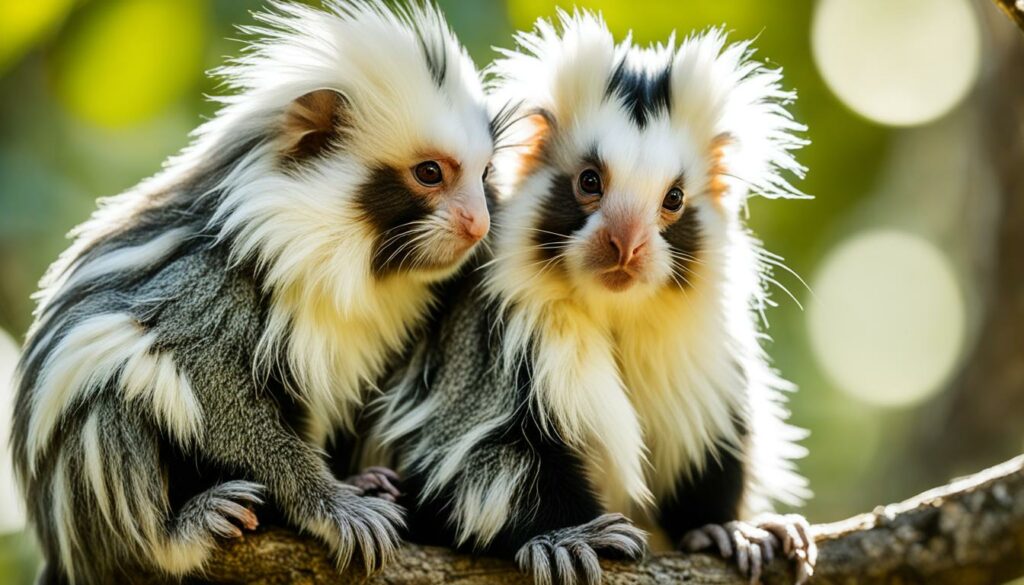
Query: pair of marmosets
[(534, 298)]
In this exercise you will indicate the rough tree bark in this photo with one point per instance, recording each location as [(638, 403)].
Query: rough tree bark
[(969, 532)]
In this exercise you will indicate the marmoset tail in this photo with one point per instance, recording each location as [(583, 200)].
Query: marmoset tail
[(606, 363), (208, 330)]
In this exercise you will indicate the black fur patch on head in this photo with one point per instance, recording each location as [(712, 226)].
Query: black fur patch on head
[(503, 120), (388, 204), (684, 238), (645, 93), (437, 63), (561, 216), (593, 159), (434, 53)]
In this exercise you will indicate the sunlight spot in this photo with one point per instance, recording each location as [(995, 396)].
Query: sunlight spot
[(125, 62), (898, 63), (887, 321), (24, 22), (12, 512)]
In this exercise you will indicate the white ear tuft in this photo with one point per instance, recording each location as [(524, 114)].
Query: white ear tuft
[(562, 70), (717, 90)]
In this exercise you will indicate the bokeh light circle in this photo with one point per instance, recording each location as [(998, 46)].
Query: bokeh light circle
[(901, 63), (12, 513), (887, 321)]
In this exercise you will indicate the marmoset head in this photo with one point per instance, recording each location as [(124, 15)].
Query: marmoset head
[(373, 146), (638, 159)]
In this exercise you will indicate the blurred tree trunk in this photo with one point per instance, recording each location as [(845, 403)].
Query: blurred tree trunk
[(981, 418)]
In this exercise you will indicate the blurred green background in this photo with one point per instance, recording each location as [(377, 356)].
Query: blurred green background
[(908, 352)]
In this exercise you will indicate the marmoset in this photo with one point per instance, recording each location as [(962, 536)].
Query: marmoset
[(209, 329), (603, 370)]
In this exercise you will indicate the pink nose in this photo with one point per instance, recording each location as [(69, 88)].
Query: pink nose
[(627, 245), (473, 225)]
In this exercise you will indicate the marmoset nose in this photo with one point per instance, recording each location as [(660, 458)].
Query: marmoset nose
[(474, 224), (468, 214), (627, 246)]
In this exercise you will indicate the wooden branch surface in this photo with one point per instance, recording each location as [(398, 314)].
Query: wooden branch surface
[(1014, 9), (969, 532)]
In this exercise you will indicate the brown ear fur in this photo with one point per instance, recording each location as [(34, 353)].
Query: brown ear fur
[(534, 146), (716, 182), (312, 123)]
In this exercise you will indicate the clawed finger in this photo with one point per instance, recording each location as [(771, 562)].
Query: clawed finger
[(384, 485), (742, 552), (721, 537), (804, 529), (387, 472), (804, 571), (755, 564), (768, 549)]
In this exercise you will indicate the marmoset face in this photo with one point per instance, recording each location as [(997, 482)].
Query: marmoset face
[(400, 148), (623, 192), (635, 161), (429, 212), (619, 209)]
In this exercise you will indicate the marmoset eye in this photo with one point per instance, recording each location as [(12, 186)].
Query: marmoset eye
[(590, 182), (429, 174), (673, 199)]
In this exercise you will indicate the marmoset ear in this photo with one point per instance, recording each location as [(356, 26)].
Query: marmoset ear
[(313, 123), (717, 169), (534, 135)]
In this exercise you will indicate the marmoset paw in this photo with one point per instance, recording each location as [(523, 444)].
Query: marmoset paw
[(570, 555), (797, 543), (224, 510), (357, 522), (377, 482), (755, 544)]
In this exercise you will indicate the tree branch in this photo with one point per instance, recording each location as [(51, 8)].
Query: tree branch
[(1014, 9), (970, 531)]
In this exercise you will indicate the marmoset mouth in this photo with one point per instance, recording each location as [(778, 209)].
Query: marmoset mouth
[(617, 279)]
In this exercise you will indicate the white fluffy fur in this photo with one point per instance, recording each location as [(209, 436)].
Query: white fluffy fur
[(120, 506), (341, 323), (104, 348), (643, 382), (121, 260), (62, 515), (483, 504), (132, 514), (100, 350), (181, 557)]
